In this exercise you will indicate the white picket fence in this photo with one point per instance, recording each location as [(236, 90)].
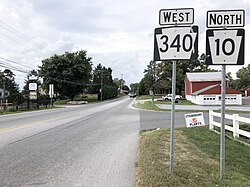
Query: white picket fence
[(235, 120)]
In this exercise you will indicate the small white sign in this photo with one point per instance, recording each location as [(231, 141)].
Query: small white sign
[(33, 96), (194, 119), (51, 90), (33, 86), (225, 18), (181, 16)]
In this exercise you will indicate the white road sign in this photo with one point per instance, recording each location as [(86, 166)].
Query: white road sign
[(225, 47), (194, 119), (176, 43), (51, 90), (225, 18), (181, 16), (33, 95), (33, 86)]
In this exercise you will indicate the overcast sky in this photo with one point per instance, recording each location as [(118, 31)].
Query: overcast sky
[(116, 33)]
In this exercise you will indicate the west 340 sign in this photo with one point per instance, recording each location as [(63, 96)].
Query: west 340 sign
[(176, 43)]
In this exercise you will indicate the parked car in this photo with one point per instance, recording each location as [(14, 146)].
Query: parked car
[(169, 97), (132, 94)]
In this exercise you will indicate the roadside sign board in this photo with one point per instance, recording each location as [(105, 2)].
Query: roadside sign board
[(225, 46), (176, 43), (194, 119), (51, 90), (225, 18), (33, 86), (33, 95), (180, 16)]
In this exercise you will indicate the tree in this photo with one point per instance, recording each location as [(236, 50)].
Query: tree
[(159, 76), (134, 87), (119, 82), (70, 73), (243, 76), (7, 77), (102, 79)]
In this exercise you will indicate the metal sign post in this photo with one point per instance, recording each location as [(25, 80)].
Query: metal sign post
[(171, 169), (222, 135), (175, 43), (225, 47)]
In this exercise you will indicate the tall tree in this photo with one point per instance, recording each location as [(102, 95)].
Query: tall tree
[(102, 79), (70, 73), (159, 76), (134, 87), (243, 76), (7, 77)]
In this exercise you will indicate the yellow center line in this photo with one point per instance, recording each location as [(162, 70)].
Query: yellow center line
[(32, 124)]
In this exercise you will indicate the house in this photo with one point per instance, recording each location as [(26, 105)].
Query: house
[(247, 91), (204, 88)]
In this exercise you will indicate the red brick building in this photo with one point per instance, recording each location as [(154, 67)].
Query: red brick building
[(204, 88), (247, 91)]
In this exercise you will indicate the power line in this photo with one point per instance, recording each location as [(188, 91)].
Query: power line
[(11, 29), (12, 67), (15, 62), (19, 42)]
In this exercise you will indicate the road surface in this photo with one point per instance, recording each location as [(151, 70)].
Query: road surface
[(90, 145)]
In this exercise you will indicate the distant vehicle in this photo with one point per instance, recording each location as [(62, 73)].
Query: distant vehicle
[(132, 94), (169, 97)]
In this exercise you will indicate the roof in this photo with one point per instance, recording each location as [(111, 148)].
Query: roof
[(215, 90), (247, 88), (204, 89), (203, 76)]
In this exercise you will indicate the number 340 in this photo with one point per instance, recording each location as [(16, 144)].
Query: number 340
[(186, 43)]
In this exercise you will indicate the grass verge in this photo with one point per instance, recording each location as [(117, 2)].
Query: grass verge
[(196, 159), (91, 98)]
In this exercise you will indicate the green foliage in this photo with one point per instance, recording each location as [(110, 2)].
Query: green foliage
[(243, 76), (159, 76), (134, 87), (102, 78), (11, 86), (70, 73)]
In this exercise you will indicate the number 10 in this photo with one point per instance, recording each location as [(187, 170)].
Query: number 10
[(227, 41)]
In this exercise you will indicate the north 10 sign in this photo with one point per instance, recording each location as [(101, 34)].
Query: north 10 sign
[(225, 46), (176, 43)]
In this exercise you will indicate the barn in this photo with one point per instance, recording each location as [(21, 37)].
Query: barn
[(247, 91), (204, 88)]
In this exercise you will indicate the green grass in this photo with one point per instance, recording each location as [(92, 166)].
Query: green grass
[(196, 159), (147, 105), (180, 102), (143, 97), (91, 98)]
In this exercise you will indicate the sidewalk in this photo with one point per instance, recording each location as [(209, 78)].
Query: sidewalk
[(202, 108)]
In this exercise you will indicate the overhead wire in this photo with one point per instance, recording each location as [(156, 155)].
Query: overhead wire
[(11, 29)]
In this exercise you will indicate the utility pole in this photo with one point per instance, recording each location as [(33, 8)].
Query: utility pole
[(101, 83), (121, 83), (4, 90)]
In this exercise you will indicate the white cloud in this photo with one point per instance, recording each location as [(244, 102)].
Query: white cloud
[(117, 33)]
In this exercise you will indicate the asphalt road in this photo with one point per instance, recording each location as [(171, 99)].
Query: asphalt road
[(90, 145)]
